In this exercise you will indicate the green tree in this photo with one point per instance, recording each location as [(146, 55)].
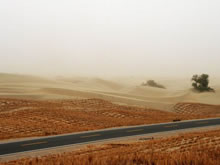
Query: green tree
[(201, 83)]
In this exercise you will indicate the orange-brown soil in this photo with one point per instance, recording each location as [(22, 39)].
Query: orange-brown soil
[(201, 148), (28, 118), (197, 109)]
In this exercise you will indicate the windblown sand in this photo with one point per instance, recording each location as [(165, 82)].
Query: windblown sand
[(33, 106), (125, 91)]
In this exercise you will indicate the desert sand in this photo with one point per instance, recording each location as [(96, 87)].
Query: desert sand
[(124, 90), (32, 106)]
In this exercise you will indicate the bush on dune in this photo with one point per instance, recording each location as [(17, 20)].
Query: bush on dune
[(201, 83), (152, 83)]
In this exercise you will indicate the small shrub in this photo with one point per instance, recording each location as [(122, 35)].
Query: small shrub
[(152, 83), (201, 83)]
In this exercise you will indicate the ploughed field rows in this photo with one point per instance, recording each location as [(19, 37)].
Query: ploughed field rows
[(201, 148), (197, 109), (24, 118), (27, 118)]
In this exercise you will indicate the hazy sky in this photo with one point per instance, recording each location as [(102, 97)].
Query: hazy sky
[(110, 37)]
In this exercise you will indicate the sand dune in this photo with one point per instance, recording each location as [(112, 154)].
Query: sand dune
[(115, 90)]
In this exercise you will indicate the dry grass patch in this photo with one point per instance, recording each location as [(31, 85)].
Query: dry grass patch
[(201, 148), (28, 118)]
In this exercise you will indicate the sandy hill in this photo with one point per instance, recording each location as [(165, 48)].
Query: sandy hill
[(16, 78), (122, 91)]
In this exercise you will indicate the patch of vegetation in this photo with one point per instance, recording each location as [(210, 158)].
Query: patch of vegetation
[(152, 83), (201, 83), (195, 148)]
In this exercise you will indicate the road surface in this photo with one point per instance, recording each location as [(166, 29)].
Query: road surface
[(92, 136)]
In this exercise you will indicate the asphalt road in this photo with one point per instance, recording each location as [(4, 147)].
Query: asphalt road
[(86, 137)]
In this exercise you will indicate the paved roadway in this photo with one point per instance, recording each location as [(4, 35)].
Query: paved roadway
[(86, 137)]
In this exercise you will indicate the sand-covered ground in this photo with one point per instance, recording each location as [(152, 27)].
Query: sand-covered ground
[(34, 106), (121, 90)]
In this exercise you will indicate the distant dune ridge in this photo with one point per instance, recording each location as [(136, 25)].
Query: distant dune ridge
[(122, 91)]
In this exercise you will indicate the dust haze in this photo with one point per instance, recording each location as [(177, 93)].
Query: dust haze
[(107, 49), (68, 66), (110, 38)]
